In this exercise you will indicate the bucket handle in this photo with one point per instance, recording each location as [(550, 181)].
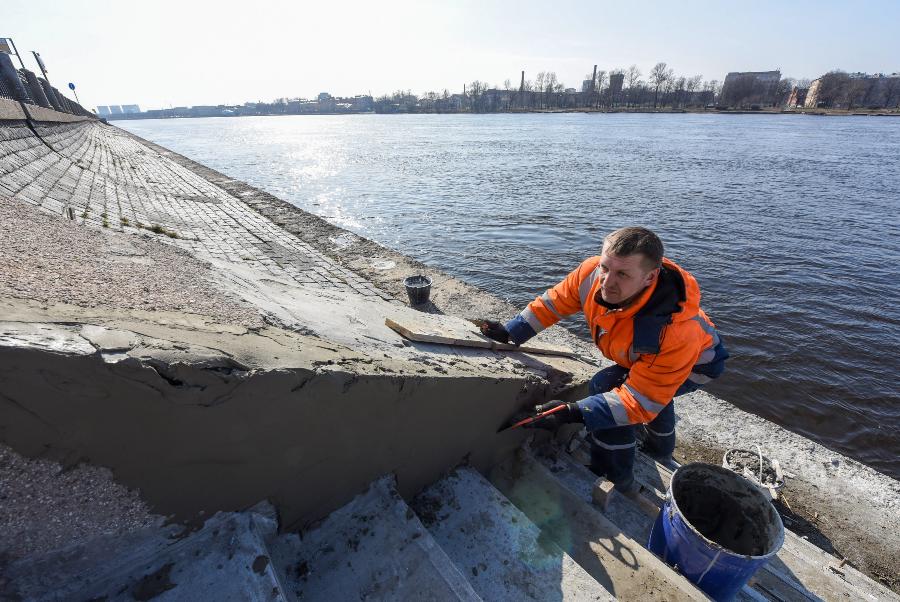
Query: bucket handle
[(759, 451)]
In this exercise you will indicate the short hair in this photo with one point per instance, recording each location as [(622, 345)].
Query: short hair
[(632, 240)]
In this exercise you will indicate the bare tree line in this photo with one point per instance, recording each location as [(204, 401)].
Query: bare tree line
[(629, 88), (838, 89), (616, 88)]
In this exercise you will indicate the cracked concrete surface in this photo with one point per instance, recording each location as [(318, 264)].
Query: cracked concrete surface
[(204, 380), (209, 420)]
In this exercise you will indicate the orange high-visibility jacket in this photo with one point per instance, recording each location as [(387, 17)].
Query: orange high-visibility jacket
[(662, 337)]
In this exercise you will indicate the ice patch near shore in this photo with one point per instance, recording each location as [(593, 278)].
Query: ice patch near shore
[(384, 264)]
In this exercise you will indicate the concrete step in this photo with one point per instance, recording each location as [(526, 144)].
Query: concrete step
[(630, 517), (798, 560), (372, 548), (225, 560), (503, 554), (622, 565)]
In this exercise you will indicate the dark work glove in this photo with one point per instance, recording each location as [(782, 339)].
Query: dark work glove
[(572, 413), (495, 330)]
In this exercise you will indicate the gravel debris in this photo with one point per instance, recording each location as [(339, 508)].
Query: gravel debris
[(53, 260), (44, 506), (742, 460)]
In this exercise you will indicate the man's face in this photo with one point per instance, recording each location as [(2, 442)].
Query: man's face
[(623, 278)]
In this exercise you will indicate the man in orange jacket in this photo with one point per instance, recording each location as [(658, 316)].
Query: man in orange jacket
[(644, 314)]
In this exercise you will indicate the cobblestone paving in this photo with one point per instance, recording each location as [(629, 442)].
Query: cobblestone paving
[(96, 175)]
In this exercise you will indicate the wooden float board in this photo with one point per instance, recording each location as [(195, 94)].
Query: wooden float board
[(450, 330)]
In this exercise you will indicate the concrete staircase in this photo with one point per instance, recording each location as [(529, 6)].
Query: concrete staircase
[(531, 530)]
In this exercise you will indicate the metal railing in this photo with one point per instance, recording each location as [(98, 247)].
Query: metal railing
[(23, 85)]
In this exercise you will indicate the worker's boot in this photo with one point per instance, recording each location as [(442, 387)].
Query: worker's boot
[(668, 461), (630, 487), (664, 458), (657, 439)]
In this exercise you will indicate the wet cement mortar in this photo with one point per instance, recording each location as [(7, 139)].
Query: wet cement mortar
[(724, 511)]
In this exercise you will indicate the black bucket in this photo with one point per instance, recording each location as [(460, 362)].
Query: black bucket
[(418, 288)]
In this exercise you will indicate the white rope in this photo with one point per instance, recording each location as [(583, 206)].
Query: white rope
[(759, 450)]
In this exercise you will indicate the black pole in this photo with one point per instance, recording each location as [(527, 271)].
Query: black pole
[(19, 56), (40, 64)]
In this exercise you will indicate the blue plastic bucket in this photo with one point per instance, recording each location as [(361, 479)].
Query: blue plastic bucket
[(716, 528)]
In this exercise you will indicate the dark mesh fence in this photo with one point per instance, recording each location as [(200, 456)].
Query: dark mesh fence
[(23, 85), (11, 80), (35, 89), (27, 97)]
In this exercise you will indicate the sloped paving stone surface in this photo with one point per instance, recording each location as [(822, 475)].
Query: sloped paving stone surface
[(96, 174), (51, 260)]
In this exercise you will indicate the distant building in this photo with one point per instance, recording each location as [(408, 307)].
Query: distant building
[(494, 100), (749, 88), (131, 109), (587, 86), (207, 110), (357, 103), (766, 77), (797, 98), (115, 110), (839, 90), (103, 111), (616, 82), (324, 97)]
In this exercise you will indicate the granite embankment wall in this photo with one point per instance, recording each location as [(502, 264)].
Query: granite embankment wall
[(13, 110), (298, 393), (214, 345)]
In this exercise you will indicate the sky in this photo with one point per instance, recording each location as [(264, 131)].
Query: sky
[(163, 53)]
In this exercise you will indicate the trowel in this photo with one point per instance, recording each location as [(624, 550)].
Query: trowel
[(531, 419)]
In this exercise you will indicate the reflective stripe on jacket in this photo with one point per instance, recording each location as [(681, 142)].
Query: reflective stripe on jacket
[(663, 338)]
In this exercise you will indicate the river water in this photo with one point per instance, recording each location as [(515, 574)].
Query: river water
[(790, 223)]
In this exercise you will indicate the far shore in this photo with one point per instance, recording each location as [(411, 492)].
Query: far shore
[(692, 111)]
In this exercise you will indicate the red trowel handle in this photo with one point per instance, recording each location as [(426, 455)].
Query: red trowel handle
[(531, 419)]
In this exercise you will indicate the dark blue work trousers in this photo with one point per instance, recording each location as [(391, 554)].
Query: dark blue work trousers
[(613, 449)]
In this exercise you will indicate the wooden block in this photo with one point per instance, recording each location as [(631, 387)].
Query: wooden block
[(450, 330), (601, 493)]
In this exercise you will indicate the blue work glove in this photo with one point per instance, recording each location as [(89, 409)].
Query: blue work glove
[(572, 413)]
